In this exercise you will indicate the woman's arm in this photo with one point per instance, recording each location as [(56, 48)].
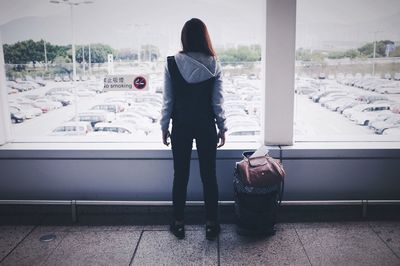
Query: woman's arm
[(166, 111), (217, 103)]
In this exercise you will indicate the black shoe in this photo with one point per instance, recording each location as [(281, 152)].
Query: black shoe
[(178, 230), (212, 231)]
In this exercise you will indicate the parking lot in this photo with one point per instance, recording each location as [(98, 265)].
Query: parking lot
[(120, 115)]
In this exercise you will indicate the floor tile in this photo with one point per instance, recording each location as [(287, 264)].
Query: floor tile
[(344, 244), (389, 232), (32, 251), (284, 248), (95, 248), (162, 248), (10, 236)]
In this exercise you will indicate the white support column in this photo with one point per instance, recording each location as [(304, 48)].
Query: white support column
[(279, 67), (5, 121)]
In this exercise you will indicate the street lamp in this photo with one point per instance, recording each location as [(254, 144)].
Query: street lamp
[(373, 62), (141, 39), (73, 3)]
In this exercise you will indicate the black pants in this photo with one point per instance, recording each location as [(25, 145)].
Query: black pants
[(206, 142)]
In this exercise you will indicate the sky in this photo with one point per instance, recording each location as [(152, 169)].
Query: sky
[(130, 23), (127, 23)]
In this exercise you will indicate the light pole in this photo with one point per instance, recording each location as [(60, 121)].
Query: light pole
[(83, 60), (71, 4), (373, 60), (45, 54), (90, 62), (140, 40)]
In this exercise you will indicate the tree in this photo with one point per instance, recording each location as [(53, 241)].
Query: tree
[(368, 49), (127, 54), (98, 53), (30, 51), (240, 54)]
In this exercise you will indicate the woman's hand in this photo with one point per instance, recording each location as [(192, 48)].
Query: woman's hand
[(221, 137), (165, 136)]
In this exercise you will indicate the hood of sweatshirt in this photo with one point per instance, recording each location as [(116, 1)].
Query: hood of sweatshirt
[(197, 67)]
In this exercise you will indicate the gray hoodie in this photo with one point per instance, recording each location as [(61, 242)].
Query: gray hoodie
[(194, 67)]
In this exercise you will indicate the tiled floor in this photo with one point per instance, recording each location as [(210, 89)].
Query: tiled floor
[(342, 243)]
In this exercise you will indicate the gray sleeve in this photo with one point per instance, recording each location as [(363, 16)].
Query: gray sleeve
[(217, 103), (168, 101)]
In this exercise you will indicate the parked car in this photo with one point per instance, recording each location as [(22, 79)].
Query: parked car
[(40, 81), (82, 92), (30, 84), (380, 126), (337, 103), (11, 90), (46, 104), (348, 105), (17, 86), (64, 100), (332, 97), (58, 90), (109, 107), (66, 78), (392, 131), (115, 127), (244, 131), (316, 96), (95, 116), (26, 107), (16, 118), (134, 116), (57, 79), (363, 115), (17, 109), (72, 128)]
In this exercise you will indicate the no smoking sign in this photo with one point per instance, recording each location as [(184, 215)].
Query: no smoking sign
[(140, 83), (126, 83)]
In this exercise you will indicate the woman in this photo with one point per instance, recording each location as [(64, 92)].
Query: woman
[(193, 99)]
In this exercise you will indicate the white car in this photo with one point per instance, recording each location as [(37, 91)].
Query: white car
[(336, 104), (128, 115), (109, 107), (115, 127), (392, 131), (60, 90), (82, 92), (30, 84), (369, 113), (332, 97), (72, 128), (357, 108), (151, 113), (27, 106), (380, 126), (15, 109), (244, 131), (95, 116), (40, 81), (46, 104)]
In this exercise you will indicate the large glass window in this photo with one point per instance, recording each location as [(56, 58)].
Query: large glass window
[(347, 70), (123, 38)]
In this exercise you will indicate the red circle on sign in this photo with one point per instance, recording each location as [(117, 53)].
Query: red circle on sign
[(139, 83)]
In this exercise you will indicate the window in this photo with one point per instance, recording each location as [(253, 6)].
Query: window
[(347, 70), (46, 104)]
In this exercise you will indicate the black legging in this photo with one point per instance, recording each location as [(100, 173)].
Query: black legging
[(206, 141)]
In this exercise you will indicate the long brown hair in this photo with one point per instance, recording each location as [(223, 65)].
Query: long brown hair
[(195, 38)]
